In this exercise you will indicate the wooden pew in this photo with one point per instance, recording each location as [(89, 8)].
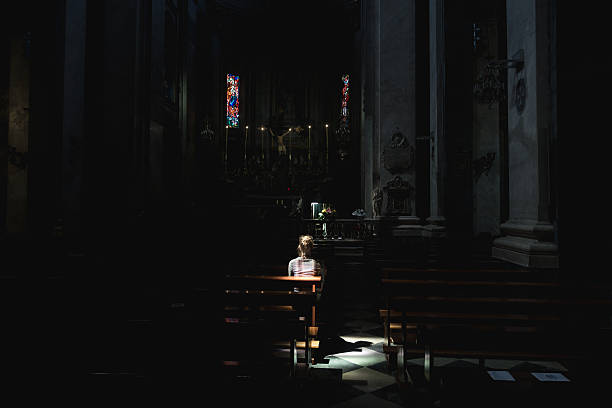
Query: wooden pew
[(279, 269), (429, 312), (262, 313), (398, 281)]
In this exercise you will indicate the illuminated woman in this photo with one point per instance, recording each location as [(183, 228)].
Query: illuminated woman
[(304, 265)]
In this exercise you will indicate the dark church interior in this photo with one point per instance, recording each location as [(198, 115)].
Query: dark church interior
[(162, 158)]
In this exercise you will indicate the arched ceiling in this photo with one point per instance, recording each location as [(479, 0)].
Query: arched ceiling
[(311, 15), (288, 29)]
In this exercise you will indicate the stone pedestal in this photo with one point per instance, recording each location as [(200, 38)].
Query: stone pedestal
[(526, 252), (527, 243), (435, 227), (407, 226)]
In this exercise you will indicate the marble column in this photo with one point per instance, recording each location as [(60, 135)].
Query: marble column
[(528, 233), (389, 122), (436, 222), (486, 147), (74, 116), (369, 48), (18, 136)]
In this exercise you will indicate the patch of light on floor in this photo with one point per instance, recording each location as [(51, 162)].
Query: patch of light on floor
[(363, 358), (365, 337)]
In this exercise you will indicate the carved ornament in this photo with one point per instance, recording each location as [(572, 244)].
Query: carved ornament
[(398, 155)]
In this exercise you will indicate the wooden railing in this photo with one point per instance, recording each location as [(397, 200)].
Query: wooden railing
[(350, 228)]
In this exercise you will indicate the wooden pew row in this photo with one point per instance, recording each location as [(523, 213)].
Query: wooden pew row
[(151, 332), (383, 260), (494, 282), (495, 335), (263, 314), (467, 289), (490, 319), (436, 284), (467, 274)]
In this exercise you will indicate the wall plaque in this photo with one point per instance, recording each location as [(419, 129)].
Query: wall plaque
[(398, 155)]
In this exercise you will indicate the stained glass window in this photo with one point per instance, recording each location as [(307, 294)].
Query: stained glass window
[(345, 97), (232, 100)]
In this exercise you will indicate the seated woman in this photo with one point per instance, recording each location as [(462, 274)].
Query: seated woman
[(304, 265)]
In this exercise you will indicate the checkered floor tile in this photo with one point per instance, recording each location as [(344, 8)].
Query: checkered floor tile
[(366, 380)]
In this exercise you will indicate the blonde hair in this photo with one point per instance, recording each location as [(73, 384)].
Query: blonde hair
[(305, 245)]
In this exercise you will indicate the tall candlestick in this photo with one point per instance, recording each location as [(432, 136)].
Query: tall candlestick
[(246, 137), (225, 160), (309, 145), (262, 143), (327, 147)]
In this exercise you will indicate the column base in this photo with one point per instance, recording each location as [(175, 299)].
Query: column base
[(435, 228), (407, 226), (539, 230), (526, 252)]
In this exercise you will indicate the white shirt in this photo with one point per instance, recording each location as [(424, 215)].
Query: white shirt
[(303, 267)]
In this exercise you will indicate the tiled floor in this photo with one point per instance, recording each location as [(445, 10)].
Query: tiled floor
[(366, 380)]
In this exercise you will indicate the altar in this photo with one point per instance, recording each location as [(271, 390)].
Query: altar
[(340, 230)]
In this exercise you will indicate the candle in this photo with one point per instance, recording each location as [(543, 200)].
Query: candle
[(289, 136)]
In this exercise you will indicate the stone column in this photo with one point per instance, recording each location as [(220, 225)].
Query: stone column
[(528, 234), (369, 48), (73, 118), (18, 135), (389, 122), (141, 107), (486, 146), (435, 226)]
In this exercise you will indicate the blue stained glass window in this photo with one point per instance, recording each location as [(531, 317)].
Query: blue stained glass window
[(232, 100)]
